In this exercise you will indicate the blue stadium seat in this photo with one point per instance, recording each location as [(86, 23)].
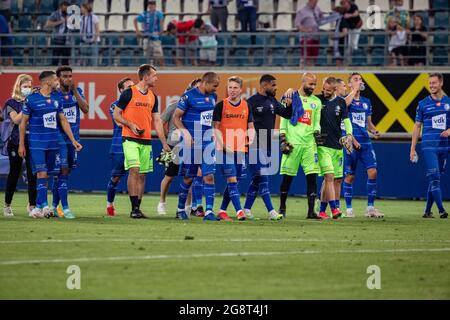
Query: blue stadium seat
[(14, 7), (169, 44), (378, 57), (282, 40), (126, 58), (243, 40), (224, 40), (47, 7), (259, 57), (25, 22), (41, 20), (322, 58), (239, 58), (379, 40), (130, 40), (41, 53), (440, 4), (440, 38), (359, 58), (262, 40), (20, 55), (363, 40), (279, 57), (29, 5), (440, 56), (441, 20)]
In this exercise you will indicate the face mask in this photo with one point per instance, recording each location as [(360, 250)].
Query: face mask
[(25, 91)]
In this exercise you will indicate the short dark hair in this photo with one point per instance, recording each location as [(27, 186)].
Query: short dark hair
[(46, 74), (144, 69), (437, 75), (64, 4), (193, 83), (121, 83), (267, 78), (63, 69), (171, 26), (198, 23), (354, 74), (330, 80), (210, 77)]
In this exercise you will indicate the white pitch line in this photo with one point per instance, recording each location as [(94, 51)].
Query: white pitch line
[(209, 255), (105, 240)]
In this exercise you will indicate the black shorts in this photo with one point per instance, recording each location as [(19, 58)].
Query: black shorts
[(173, 168)]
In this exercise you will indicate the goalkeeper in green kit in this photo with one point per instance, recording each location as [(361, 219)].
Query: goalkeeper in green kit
[(299, 137)]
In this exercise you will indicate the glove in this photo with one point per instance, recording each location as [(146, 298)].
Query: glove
[(285, 146), (165, 158), (319, 137), (347, 143)]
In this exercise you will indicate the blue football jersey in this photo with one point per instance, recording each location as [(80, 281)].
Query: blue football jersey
[(69, 104), (358, 113), (43, 123), (198, 114), (435, 117), (116, 141)]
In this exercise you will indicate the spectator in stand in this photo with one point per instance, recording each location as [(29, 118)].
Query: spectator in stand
[(247, 14), (152, 22), (5, 9), (417, 37), (208, 43), (397, 42), (90, 36), (219, 13), (61, 44), (307, 21), (187, 42), (400, 13), (5, 41)]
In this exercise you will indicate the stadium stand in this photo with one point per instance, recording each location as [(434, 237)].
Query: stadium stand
[(279, 46)]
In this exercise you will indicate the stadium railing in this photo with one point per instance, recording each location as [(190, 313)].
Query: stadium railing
[(268, 49)]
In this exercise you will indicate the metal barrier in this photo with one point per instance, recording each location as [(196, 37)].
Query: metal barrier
[(237, 49)]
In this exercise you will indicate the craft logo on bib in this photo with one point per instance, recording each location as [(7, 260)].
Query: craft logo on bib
[(49, 120), (206, 118), (439, 122), (71, 114), (359, 119)]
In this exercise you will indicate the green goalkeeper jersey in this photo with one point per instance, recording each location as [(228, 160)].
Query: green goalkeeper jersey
[(303, 132)]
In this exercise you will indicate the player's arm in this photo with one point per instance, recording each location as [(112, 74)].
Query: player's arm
[(372, 129), (283, 111), (349, 98), (22, 132), (113, 107), (217, 117), (414, 139), (318, 137), (251, 133), (65, 125), (285, 146), (157, 123), (182, 106), (82, 103), (15, 117)]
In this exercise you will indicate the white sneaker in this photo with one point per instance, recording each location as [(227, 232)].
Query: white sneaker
[(47, 212), (273, 215), (374, 213), (29, 209), (36, 213), (349, 214), (8, 212), (162, 208)]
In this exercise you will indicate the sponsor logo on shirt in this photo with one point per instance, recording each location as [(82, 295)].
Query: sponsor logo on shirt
[(142, 104), (74, 99), (359, 119), (56, 104), (306, 118), (439, 121), (313, 106), (206, 118), (71, 114), (447, 107), (365, 106), (49, 120)]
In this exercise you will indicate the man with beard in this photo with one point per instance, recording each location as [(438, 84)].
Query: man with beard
[(331, 157), (264, 107), (299, 137)]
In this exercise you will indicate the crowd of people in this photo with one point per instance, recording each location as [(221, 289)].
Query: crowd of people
[(196, 39), (200, 134)]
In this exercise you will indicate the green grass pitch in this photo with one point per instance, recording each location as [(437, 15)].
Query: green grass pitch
[(162, 258)]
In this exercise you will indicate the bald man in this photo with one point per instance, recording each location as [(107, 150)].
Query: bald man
[(299, 137)]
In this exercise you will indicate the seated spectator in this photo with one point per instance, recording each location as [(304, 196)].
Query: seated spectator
[(90, 36), (219, 13), (152, 22), (417, 38), (187, 42), (208, 44), (5, 41), (307, 21), (61, 44), (397, 42), (399, 13)]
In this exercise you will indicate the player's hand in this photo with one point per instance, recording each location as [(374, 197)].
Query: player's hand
[(413, 157), (166, 147), (319, 137), (22, 151), (139, 34), (187, 138), (285, 146), (77, 145), (289, 93), (356, 144), (376, 134), (445, 134), (136, 130), (73, 86)]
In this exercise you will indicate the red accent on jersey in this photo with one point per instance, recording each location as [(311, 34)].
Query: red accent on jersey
[(306, 118)]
